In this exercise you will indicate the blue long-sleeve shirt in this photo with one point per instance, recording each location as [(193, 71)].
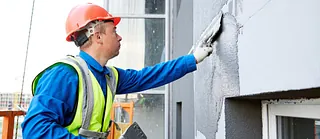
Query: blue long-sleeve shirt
[(52, 107)]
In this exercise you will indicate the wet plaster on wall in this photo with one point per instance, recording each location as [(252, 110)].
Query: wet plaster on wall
[(203, 12), (216, 78)]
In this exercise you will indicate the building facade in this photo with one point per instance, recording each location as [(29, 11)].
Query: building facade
[(262, 79), (10, 101)]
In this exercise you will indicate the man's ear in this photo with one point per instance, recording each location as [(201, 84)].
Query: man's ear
[(98, 38)]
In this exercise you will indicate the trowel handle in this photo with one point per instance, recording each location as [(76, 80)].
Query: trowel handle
[(191, 50)]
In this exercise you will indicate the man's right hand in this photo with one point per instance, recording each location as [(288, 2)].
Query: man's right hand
[(200, 53)]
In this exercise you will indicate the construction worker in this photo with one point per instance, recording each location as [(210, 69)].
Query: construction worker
[(73, 97)]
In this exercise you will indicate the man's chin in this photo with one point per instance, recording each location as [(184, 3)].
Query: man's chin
[(115, 55)]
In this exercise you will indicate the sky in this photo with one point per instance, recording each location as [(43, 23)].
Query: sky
[(47, 41)]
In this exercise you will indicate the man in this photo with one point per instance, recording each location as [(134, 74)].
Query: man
[(73, 97)]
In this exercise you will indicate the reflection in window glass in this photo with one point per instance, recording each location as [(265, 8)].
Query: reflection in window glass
[(297, 128), (137, 6), (148, 112), (143, 43), (155, 42)]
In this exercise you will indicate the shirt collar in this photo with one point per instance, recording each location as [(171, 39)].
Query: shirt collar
[(93, 63)]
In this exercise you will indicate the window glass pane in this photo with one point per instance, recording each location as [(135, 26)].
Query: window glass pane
[(148, 112), (137, 6), (143, 43), (155, 41), (297, 128)]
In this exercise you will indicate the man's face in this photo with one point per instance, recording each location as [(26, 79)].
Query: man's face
[(111, 40)]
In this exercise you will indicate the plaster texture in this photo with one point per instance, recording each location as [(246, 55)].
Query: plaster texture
[(216, 78), (266, 46)]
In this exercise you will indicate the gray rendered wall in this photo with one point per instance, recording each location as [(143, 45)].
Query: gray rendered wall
[(268, 46), (182, 89), (217, 77), (243, 119)]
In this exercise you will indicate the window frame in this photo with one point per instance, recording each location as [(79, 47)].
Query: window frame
[(300, 108), (168, 28)]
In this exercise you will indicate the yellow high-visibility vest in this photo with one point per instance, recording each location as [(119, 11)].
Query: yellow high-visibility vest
[(92, 115)]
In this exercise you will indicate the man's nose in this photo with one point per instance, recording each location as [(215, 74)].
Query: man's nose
[(119, 37)]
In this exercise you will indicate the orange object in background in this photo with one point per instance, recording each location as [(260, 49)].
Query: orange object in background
[(128, 108), (8, 122)]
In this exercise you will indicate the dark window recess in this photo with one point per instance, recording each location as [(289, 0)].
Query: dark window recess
[(179, 120)]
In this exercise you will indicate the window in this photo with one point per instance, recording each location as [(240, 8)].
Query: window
[(136, 7), (297, 128), (144, 28), (291, 119)]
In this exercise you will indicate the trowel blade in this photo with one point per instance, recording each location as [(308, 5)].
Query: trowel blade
[(210, 33)]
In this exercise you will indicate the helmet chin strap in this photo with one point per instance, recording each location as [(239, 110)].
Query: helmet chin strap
[(80, 40)]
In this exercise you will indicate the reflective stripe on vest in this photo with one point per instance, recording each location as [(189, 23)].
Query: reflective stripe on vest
[(91, 101)]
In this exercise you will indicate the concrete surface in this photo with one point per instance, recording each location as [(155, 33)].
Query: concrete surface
[(151, 121), (182, 89), (266, 46), (217, 77), (243, 119)]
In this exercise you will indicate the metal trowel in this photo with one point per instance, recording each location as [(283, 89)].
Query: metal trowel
[(133, 132), (211, 33)]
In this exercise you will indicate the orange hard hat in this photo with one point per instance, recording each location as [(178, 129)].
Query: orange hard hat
[(83, 14)]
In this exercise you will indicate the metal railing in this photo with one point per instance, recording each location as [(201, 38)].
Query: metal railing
[(8, 122)]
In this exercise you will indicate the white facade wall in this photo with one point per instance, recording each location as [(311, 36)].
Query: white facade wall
[(279, 45)]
